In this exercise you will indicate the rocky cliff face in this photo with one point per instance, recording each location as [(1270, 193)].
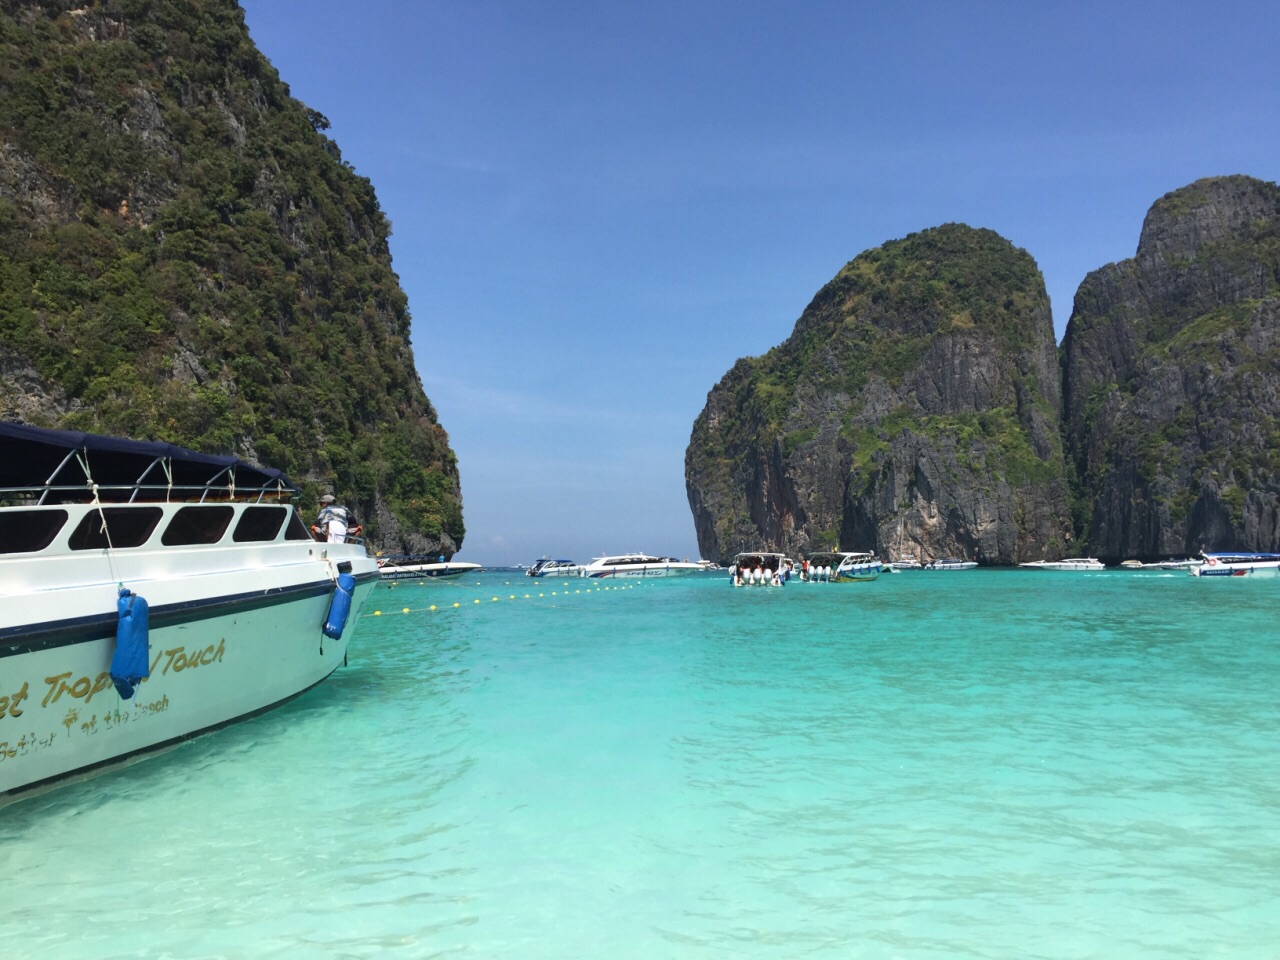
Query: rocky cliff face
[(185, 256), (1172, 379), (914, 409)]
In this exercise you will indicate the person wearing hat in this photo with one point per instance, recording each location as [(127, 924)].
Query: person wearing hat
[(333, 523)]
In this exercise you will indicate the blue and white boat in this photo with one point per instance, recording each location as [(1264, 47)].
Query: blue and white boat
[(148, 594), (842, 566), (1238, 564), (547, 567)]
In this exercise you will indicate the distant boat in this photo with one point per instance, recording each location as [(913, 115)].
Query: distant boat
[(637, 565), (1238, 564), (1071, 563), (950, 563), (904, 563), (1182, 564), (547, 567), (416, 567)]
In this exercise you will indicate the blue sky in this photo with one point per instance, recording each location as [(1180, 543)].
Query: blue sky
[(597, 208)]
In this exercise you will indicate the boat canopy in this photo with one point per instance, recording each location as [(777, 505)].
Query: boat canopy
[(1241, 557), (66, 466)]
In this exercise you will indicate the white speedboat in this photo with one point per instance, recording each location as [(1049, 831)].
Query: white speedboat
[(546, 567), (1182, 564), (1239, 564), (637, 565), (904, 563), (416, 567), (1071, 563), (950, 563), (1160, 565), (842, 566), (761, 569), (149, 594)]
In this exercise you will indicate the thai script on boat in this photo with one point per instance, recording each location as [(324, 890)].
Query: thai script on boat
[(33, 743)]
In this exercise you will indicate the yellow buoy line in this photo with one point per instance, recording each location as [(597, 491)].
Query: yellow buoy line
[(458, 604)]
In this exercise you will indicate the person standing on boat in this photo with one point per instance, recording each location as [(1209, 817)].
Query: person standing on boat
[(333, 523)]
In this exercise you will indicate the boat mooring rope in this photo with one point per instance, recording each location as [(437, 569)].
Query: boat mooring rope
[(533, 598)]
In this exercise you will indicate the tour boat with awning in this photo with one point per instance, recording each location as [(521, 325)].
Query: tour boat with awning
[(150, 593), (761, 569)]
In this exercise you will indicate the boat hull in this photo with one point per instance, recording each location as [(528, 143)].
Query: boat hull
[(624, 572), (1212, 567), (1081, 566), (221, 647), (856, 576)]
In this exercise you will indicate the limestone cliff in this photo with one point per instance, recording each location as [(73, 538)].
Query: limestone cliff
[(1172, 389), (914, 409), (185, 256)]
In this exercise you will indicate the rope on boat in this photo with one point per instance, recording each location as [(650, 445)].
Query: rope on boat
[(104, 529)]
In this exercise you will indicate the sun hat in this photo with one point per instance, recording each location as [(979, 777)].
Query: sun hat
[(328, 498)]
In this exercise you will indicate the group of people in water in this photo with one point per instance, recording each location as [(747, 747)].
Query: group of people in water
[(760, 575)]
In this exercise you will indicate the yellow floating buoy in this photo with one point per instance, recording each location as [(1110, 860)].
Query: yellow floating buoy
[(456, 605), (405, 610), (377, 613), (432, 607)]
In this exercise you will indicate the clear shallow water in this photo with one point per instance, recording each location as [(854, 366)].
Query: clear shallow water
[(990, 764)]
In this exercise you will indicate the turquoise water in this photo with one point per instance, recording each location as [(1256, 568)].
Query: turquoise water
[(993, 764)]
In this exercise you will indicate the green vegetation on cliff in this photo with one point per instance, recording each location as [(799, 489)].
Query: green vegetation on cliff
[(186, 257), (1172, 374), (922, 378)]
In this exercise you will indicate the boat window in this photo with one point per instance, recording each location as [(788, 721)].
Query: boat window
[(124, 527), (26, 531), (197, 525), (297, 530), (259, 524)]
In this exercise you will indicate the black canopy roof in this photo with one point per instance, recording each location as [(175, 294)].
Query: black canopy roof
[(31, 457)]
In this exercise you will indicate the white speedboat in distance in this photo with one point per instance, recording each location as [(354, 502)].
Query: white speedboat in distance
[(416, 567), (1238, 564), (950, 563), (761, 569), (904, 563), (1160, 565), (1183, 564), (637, 565), (546, 567), (842, 566), (148, 594), (1071, 563)]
